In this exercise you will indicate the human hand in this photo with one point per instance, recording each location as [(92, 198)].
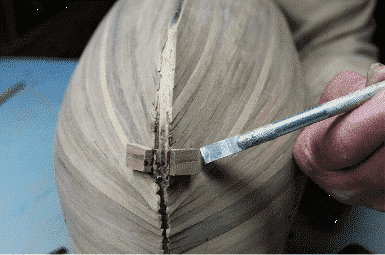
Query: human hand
[(345, 154)]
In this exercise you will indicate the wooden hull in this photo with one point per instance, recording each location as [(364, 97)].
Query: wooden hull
[(236, 69)]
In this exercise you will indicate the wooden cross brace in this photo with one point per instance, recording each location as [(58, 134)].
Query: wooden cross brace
[(179, 161)]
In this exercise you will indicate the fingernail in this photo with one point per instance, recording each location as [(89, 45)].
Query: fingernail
[(375, 65), (373, 75)]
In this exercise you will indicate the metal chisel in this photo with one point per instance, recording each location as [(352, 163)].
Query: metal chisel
[(188, 161)]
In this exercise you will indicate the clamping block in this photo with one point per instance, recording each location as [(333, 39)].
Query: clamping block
[(180, 161), (139, 158), (184, 161)]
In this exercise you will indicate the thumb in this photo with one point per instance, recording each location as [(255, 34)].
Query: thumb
[(375, 74), (343, 140), (307, 142), (343, 84)]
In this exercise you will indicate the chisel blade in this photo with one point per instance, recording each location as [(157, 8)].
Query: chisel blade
[(220, 149)]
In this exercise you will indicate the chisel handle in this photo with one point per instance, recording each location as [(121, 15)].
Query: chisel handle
[(308, 117)]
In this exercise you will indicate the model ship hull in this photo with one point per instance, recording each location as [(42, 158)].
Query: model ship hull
[(236, 69)]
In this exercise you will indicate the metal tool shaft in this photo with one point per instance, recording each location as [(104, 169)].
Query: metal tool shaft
[(269, 132)]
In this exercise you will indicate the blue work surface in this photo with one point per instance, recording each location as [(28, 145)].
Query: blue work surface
[(31, 219)]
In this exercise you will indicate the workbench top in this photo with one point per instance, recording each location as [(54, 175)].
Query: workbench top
[(31, 219)]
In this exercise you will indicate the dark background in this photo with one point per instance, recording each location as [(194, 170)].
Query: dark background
[(48, 28), (61, 29)]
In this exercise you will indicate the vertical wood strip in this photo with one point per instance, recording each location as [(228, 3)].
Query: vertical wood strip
[(166, 87)]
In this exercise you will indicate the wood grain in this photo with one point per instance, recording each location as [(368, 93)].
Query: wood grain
[(164, 107), (245, 75), (236, 68), (185, 162), (139, 158), (109, 103)]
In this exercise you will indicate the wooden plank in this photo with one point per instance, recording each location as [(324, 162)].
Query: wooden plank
[(181, 219), (164, 107), (185, 161), (82, 216), (178, 197), (240, 238), (139, 158)]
